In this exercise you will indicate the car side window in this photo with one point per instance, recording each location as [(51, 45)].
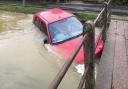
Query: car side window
[(43, 27), (36, 21)]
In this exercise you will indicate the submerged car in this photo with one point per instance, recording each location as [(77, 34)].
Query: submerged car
[(63, 32)]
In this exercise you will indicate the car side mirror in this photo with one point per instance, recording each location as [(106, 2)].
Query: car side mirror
[(45, 40)]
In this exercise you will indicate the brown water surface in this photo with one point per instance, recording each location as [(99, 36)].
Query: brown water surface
[(24, 61)]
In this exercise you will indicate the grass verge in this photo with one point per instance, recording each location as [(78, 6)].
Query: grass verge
[(19, 8), (31, 10), (87, 16)]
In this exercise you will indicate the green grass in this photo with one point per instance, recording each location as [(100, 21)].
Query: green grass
[(87, 16), (19, 8), (120, 2), (31, 10)]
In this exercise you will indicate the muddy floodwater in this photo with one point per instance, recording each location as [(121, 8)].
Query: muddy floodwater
[(25, 63)]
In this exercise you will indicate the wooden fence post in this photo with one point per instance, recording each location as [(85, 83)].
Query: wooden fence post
[(109, 11), (105, 21), (89, 46), (24, 2)]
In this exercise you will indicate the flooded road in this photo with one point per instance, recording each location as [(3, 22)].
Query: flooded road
[(24, 61)]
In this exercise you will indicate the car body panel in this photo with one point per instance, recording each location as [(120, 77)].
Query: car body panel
[(53, 15), (66, 48)]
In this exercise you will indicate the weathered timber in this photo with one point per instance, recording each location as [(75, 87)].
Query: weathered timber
[(110, 12), (120, 72), (88, 45), (126, 31), (105, 69), (105, 22), (126, 38), (89, 54), (113, 68)]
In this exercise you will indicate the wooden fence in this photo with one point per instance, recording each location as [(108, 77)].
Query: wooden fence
[(87, 80)]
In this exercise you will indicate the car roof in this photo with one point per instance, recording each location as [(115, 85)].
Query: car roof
[(53, 15)]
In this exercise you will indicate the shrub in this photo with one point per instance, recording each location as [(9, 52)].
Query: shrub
[(120, 2)]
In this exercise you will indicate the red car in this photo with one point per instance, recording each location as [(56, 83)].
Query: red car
[(63, 32)]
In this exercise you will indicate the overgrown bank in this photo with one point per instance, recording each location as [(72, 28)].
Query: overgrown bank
[(32, 9), (120, 2)]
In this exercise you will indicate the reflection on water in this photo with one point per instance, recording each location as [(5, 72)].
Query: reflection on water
[(24, 61)]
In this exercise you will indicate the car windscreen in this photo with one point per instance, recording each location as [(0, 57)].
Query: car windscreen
[(65, 29)]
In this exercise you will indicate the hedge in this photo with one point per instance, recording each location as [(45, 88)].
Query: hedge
[(120, 2)]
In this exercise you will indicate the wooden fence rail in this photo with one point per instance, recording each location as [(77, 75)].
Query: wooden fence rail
[(87, 42)]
